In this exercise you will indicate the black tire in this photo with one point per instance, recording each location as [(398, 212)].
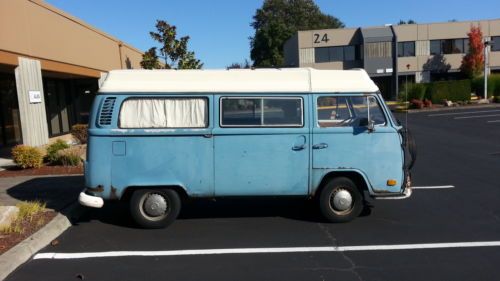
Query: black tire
[(326, 200), (146, 220)]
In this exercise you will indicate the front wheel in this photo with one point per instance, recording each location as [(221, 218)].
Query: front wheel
[(340, 200), (152, 208)]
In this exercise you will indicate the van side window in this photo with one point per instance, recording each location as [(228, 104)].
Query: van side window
[(343, 111), (261, 112), (164, 113)]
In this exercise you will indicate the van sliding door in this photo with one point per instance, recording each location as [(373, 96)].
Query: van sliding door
[(261, 145)]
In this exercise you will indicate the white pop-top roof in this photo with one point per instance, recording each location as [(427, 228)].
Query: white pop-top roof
[(291, 80)]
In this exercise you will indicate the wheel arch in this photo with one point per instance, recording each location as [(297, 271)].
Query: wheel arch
[(127, 193), (357, 177)]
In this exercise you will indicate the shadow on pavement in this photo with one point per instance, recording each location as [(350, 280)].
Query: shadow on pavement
[(117, 213), (57, 192)]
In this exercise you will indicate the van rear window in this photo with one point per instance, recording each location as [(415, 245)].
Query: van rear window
[(164, 113), (261, 112)]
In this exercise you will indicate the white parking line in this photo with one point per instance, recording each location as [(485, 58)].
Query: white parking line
[(493, 121), (477, 116), (63, 256), (433, 187), (459, 113)]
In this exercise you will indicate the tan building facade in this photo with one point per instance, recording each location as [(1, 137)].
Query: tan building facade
[(50, 65), (392, 54)]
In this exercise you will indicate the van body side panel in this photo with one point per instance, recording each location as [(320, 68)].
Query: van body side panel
[(184, 161), (261, 161), (377, 155), (121, 158), (98, 164)]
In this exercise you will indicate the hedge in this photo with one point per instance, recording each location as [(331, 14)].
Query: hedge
[(414, 91), (493, 86), (453, 90)]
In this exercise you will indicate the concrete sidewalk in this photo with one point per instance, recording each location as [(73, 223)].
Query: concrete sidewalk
[(5, 163)]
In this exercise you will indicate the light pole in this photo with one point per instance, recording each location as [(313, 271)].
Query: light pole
[(486, 44)]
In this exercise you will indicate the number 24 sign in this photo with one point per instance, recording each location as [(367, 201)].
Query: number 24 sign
[(320, 38)]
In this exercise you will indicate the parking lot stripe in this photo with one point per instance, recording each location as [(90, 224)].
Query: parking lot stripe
[(493, 121), (433, 187), (459, 113), (477, 116), (63, 256)]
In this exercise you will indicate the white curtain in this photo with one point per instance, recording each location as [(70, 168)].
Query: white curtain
[(164, 113)]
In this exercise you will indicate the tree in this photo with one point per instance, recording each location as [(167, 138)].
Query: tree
[(410, 21), (172, 50), (277, 20), (473, 61), (150, 59), (238, 65)]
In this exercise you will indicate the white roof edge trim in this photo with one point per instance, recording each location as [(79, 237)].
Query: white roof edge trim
[(289, 80)]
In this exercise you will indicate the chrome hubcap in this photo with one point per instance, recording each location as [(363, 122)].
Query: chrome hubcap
[(341, 200), (155, 205)]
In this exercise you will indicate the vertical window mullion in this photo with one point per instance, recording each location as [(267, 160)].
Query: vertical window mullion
[(262, 112)]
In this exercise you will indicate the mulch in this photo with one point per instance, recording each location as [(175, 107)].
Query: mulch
[(44, 170), (9, 240)]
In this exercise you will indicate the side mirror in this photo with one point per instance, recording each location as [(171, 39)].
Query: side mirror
[(368, 124), (371, 126)]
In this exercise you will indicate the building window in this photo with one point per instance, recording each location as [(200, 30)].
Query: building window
[(495, 44), (261, 112), (406, 49), (449, 46), (378, 50), (322, 54), (337, 53), (435, 47)]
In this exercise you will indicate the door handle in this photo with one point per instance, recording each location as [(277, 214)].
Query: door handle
[(320, 146), (298, 147), (208, 136)]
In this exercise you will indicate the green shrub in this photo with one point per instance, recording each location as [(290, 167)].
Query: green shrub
[(27, 156), (493, 86), (53, 149), (69, 157), (414, 91), (453, 90), (79, 131)]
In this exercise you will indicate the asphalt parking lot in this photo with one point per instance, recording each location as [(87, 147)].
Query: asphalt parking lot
[(441, 233)]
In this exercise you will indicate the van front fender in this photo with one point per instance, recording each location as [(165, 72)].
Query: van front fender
[(320, 176)]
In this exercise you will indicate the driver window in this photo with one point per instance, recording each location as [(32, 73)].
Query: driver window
[(338, 111)]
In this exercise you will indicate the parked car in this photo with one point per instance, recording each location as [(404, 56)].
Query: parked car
[(157, 136)]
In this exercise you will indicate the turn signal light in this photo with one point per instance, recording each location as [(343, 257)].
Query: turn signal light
[(392, 182)]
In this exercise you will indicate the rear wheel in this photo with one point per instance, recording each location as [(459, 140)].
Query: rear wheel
[(151, 208), (340, 200)]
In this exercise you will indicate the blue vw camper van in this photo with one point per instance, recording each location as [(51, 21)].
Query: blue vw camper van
[(156, 136)]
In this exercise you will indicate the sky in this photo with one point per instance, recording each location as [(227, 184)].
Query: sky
[(220, 29)]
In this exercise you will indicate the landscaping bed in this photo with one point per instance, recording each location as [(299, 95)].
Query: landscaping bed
[(44, 170), (26, 224)]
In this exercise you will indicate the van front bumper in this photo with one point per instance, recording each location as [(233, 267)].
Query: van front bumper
[(90, 200)]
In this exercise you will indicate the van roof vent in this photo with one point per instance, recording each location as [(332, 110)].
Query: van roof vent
[(107, 111)]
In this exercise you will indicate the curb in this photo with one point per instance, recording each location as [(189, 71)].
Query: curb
[(22, 252)]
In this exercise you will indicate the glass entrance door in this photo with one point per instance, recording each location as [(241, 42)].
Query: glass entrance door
[(58, 102), (10, 124)]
